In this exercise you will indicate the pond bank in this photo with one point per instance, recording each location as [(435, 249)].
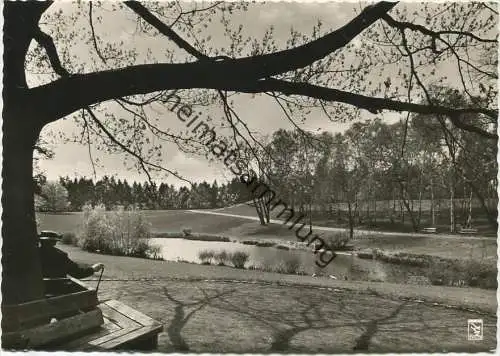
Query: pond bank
[(277, 243), (439, 270), (292, 257), (129, 268)]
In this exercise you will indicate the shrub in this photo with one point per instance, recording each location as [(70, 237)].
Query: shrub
[(239, 259), (337, 241), (458, 273), (69, 238), (283, 247), (365, 255), (266, 267), (440, 273), (154, 251), (265, 244), (120, 232), (167, 235), (199, 237), (139, 249), (206, 256), (221, 258), (292, 264), (279, 268), (480, 274), (187, 231)]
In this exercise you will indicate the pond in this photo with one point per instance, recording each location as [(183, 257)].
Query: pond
[(344, 266)]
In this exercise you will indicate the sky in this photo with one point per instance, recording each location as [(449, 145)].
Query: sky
[(261, 114)]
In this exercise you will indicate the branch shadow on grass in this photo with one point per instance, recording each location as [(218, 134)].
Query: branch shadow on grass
[(307, 315), (371, 327), (181, 318)]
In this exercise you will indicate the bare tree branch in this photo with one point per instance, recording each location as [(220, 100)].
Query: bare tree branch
[(182, 13), (94, 39), (434, 34), (86, 89), (89, 148), (234, 74), (489, 8), (375, 105), (164, 29), (47, 43), (140, 159)]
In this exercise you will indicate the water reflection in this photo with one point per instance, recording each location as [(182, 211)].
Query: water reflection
[(344, 266)]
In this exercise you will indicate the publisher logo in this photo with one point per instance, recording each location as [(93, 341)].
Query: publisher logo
[(475, 329)]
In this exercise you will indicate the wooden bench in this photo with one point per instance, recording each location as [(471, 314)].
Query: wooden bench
[(124, 328), (72, 318), (467, 231), (69, 309), (430, 230)]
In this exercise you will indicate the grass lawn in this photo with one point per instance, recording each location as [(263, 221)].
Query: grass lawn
[(161, 221), (218, 309), (220, 317)]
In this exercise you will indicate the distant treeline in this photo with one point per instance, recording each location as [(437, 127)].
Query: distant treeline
[(112, 192)]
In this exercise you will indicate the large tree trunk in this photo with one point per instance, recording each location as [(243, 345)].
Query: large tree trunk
[(491, 214), (433, 208), (406, 201), (21, 269), (351, 220), (259, 209), (21, 276), (452, 208)]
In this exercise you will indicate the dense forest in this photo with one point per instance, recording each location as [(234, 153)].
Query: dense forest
[(112, 192)]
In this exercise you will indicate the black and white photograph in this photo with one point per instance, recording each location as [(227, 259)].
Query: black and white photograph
[(244, 177)]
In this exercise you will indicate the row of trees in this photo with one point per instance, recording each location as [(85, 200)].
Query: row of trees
[(404, 170), (73, 194)]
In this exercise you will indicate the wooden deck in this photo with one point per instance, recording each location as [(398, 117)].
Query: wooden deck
[(123, 328), (71, 317)]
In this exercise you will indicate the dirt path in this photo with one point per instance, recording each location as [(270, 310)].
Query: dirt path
[(222, 309), (360, 232)]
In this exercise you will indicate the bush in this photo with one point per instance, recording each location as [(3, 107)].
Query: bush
[(119, 232), (239, 259), (462, 273), (265, 244), (200, 237), (266, 267), (365, 255), (187, 231), (221, 258), (206, 256), (292, 264), (69, 238), (480, 274), (337, 241), (139, 249), (154, 252)]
